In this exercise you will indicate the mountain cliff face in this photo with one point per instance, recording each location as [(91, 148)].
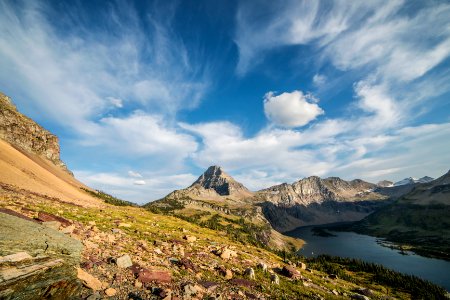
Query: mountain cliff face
[(314, 201), (214, 178), (316, 190), (26, 135), (420, 218)]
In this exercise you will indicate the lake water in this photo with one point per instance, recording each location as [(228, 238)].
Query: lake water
[(364, 247)]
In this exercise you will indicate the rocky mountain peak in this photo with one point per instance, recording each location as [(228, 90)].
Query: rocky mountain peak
[(314, 189), (215, 178), (26, 135)]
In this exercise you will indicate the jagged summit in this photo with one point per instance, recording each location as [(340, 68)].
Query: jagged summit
[(412, 180), (315, 189), (215, 178)]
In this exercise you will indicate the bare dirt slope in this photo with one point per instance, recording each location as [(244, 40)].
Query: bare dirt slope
[(30, 172)]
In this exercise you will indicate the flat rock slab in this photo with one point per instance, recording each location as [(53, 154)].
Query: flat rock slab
[(36, 262), (154, 275), (47, 217)]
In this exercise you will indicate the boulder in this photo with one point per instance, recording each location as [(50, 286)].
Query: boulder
[(228, 274), (290, 271), (190, 238), (88, 280), (154, 275), (226, 253), (110, 292), (242, 282), (37, 262), (124, 261), (359, 297)]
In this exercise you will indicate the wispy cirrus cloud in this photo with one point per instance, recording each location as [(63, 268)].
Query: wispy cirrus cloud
[(74, 75)]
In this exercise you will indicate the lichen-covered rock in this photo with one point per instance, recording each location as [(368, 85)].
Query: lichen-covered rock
[(24, 133), (36, 262)]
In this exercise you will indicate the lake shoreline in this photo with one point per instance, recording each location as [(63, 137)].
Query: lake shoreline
[(350, 244)]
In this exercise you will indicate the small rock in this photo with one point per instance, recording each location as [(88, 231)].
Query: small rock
[(228, 274), (150, 275), (209, 285), (333, 276), (227, 253), (359, 297), (52, 224), (335, 292), (364, 291), (158, 251), (92, 223), (126, 225), (189, 290), (302, 266), (90, 245), (94, 296), (88, 280), (68, 229), (124, 261), (242, 282), (137, 284), (275, 279), (190, 238), (110, 292), (290, 272)]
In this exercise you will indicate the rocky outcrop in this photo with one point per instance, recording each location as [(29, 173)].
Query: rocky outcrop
[(26, 135), (316, 190), (315, 201), (385, 183), (223, 184), (36, 262)]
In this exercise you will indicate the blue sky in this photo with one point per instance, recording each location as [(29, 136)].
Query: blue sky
[(145, 95)]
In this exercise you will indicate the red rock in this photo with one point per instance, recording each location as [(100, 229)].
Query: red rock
[(290, 272), (188, 264), (242, 282), (15, 214), (47, 217), (154, 275)]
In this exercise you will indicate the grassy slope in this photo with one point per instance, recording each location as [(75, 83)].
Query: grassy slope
[(149, 227)]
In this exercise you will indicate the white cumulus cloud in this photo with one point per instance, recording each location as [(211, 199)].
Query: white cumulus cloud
[(139, 182), (291, 109)]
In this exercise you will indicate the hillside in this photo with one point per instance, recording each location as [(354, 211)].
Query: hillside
[(215, 200), (421, 219), (314, 201), (30, 161)]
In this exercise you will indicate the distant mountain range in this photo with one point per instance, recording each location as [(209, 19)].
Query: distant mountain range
[(309, 201), (420, 218), (411, 180)]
